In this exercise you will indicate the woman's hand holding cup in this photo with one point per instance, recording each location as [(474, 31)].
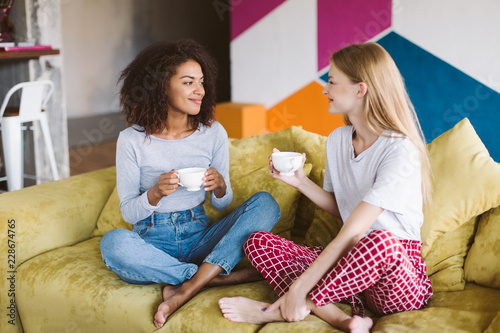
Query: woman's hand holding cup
[(213, 181), (292, 169), (167, 184)]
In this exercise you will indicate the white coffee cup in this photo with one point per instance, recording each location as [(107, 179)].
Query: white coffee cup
[(287, 162), (191, 178)]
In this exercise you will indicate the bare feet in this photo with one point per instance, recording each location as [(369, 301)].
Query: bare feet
[(207, 275), (173, 298), (249, 274), (360, 325), (245, 310), (169, 291)]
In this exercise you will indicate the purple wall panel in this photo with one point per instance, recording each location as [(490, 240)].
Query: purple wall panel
[(342, 22), (245, 13)]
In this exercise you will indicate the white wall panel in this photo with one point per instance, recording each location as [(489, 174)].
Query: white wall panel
[(277, 55), (463, 33)]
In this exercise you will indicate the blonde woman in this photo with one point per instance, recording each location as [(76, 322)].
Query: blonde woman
[(377, 177)]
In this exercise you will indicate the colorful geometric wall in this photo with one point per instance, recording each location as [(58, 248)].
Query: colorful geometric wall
[(447, 52)]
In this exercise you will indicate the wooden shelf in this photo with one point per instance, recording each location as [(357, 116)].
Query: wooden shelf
[(23, 55)]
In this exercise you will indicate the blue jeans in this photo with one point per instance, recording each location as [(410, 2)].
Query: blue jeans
[(168, 247)]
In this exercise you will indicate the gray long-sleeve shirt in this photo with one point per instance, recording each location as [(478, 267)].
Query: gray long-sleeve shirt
[(140, 161)]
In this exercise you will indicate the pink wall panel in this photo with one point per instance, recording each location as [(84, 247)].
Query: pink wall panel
[(245, 13), (342, 22)]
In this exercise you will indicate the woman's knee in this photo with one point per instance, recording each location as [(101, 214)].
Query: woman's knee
[(267, 205), (112, 242), (257, 240)]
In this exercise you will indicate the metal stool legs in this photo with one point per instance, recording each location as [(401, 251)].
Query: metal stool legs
[(44, 125), (12, 141)]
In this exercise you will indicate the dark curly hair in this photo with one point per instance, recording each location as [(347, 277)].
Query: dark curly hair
[(143, 96)]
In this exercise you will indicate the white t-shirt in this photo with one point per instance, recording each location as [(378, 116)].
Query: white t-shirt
[(386, 175)]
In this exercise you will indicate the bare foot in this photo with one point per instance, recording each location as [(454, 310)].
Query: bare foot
[(246, 310), (249, 274), (173, 298), (360, 325), (169, 291)]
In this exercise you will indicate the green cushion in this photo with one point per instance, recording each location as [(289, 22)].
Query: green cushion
[(495, 325), (251, 180), (70, 289), (111, 216), (55, 214), (314, 145), (324, 228), (466, 184), (445, 259), (470, 310), (483, 261), (73, 283)]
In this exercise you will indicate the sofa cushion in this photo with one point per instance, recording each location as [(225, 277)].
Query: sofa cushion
[(470, 310), (249, 174), (250, 180), (482, 265), (323, 229), (466, 184), (495, 325), (44, 218), (445, 259), (254, 152), (111, 216), (314, 145), (70, 289), (202, 312)]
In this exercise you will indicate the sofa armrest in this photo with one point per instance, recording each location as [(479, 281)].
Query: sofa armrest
[(44, 217), (48, 216)]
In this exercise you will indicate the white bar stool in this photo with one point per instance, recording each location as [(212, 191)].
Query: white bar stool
[(34, 98)]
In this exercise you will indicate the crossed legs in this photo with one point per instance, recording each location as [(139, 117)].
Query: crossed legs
[(391, 272)]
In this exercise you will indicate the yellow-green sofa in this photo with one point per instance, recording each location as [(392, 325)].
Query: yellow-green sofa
[(51, 266)]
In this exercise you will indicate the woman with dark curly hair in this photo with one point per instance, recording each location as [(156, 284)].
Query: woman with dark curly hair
[(168, 97)]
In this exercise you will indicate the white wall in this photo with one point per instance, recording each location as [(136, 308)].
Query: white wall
[(97, 43)]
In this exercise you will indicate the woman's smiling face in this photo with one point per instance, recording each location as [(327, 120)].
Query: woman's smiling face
[(341, 92), (186, 91)]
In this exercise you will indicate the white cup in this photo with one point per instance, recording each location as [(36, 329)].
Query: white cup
[(286, 162), (191, 178)]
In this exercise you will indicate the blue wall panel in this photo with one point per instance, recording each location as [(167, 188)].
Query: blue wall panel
[(443, 95)]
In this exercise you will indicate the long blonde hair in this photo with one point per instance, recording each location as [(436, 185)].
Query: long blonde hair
[(387, 105)]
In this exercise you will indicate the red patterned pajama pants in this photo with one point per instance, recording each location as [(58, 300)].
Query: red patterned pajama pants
[(390, 273)]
